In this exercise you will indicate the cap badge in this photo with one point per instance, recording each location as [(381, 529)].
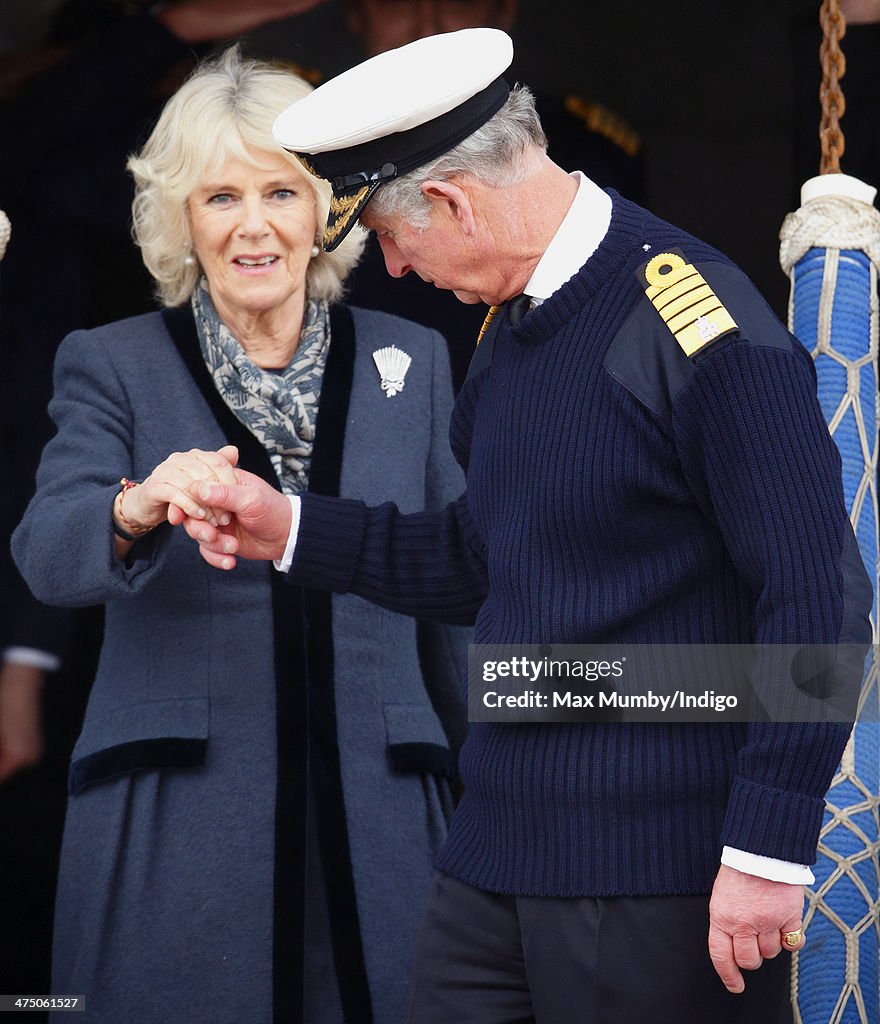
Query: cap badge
[(392, 364)]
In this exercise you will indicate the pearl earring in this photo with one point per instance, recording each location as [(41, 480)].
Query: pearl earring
[(315, 250), (189, 261)]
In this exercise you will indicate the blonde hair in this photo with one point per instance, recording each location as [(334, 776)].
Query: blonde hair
[(226, 107)]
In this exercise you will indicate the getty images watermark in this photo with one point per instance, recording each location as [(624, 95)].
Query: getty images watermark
[(665, 683)]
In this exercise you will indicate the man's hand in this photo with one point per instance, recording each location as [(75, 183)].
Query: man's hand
[(21, 734), (748, 916), (258, 527), (202, 21)]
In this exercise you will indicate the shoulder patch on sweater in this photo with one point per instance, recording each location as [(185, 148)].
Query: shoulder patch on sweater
[(685, 301), (653, 365)]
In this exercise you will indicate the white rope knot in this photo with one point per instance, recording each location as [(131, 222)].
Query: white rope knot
[(830, 222), (5, 232)]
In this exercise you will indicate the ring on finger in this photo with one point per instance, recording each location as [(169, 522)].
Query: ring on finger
[(792, 939)]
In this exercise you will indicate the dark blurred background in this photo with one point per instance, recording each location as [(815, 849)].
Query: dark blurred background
[(709, 87)]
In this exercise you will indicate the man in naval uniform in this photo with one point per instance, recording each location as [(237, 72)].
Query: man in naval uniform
[(581, 132), (646, 463)]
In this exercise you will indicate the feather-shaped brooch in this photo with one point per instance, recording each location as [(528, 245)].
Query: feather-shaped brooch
[(392, 364)]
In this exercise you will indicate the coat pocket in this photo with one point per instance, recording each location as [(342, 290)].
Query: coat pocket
[(139, 737), (416, 741)]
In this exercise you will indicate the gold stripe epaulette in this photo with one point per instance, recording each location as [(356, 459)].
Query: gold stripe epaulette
[(687, 304)]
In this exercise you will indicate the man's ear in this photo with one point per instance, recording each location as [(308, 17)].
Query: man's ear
[(453, 200)]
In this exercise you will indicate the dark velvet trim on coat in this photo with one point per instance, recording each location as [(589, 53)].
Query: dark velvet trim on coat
[(288, 622), (136, 756), (252, 455), (307, 739), (425, 758), (324, 476), (291, 799)]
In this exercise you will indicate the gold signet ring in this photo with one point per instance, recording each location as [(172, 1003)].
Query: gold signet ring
[(793, 938)]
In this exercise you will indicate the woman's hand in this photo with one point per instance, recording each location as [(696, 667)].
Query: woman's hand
[(141, 509)]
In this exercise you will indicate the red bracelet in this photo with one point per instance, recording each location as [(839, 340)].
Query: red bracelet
[(136, 531)]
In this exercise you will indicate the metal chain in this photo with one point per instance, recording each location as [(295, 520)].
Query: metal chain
[(830, 94)]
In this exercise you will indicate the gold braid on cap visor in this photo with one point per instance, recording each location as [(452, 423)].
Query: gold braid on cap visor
[(307, 165), (341, 210)]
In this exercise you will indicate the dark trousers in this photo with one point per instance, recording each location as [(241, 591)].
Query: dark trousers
[(483, 958)]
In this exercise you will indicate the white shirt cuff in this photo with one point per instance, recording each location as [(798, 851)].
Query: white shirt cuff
[(30, 656), (283, 564), (767, 867)]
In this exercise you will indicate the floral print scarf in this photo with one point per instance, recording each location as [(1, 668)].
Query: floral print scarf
[(279, 407)]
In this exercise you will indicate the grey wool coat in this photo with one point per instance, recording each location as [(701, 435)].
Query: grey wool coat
[(244, 739)]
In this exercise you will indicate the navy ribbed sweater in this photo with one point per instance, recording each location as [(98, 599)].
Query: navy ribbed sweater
[(618, 491)]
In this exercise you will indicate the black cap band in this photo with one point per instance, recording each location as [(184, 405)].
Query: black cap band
[(397, 154)]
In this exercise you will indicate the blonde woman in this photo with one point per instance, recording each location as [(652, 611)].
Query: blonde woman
[(263, 773)]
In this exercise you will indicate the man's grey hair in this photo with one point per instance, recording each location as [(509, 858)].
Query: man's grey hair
[(492, 154)]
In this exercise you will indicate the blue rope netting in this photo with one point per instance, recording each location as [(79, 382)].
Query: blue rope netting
[(837, 972)]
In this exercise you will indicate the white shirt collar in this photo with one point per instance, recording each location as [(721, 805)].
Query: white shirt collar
[(576, 239)]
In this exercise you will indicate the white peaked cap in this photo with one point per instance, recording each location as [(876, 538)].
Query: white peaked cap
[(393, 113)]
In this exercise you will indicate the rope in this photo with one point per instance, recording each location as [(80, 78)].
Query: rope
[(831, 249), (830, 94), (830, 222)]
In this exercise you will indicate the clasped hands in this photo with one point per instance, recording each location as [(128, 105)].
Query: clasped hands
[(166, 492), (228, 511)]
